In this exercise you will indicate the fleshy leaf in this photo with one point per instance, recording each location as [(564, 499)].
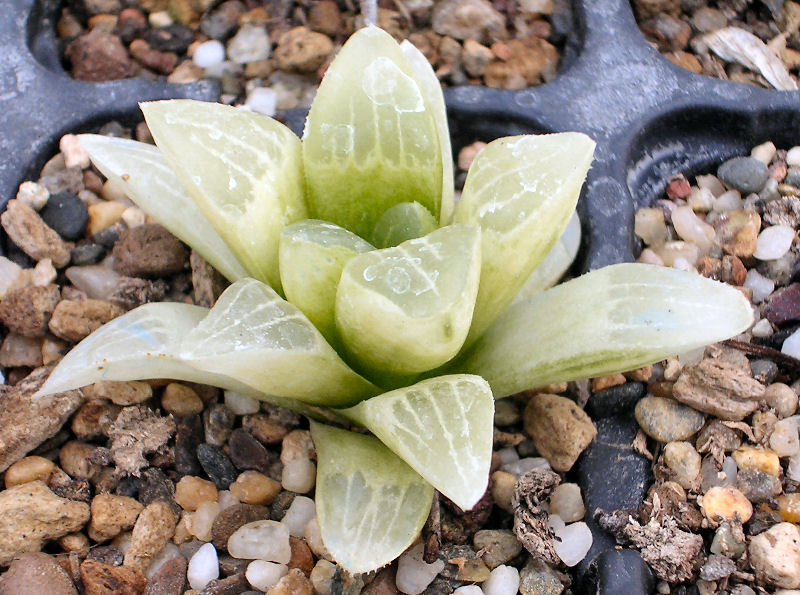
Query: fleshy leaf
[(404, 221), (611, 320), (141, 344), (556, 263), (267, 343), (521, 191), (142, 172), (407, 309), (370, 140), (244, 171), (312, 256), (442, 427), (432, 90), (370, 504)]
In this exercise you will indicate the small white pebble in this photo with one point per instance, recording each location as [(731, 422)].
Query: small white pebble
[(241, 404), (791, 346), (262, 100), (793, 157), (159, 18), (133, 217), (264, 575), (97, 281), (692, 229), (650, 257), (300, 512), (413, 573), (261, 540), (556, 522), (74, 153), (762, 328), (576, 539), (700, 199), (199, 523), (226, 499), (503, 580), (203, 567), (711, 182), (764, 152), (566, 502), (32, 194), (321, 577), (43, 273), (793, 468), (761, 286), (299, 475), (728, 201), (650, 227), (468, 590), (785, 440), (522, 466), (209, 53), (773, 242)]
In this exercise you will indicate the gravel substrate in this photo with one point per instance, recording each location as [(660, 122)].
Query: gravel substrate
[(271, 55), (754, 32)]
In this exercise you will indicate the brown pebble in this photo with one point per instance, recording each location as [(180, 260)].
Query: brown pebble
[(111, 515), (265, 429), (720, 388), (75, 458), (75, 320), (26, 229), (149, 250), (103, 579), (93, 419), (737, 232), (27, 311), (75, 542), (325, 17), (784, 305), (98, 56), (302, 558), (36, 573), (28, 469), (230, 519)]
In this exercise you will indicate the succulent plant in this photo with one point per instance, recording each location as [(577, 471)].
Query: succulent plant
[(363, 292)]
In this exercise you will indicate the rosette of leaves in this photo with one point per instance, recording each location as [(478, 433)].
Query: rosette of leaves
[(361, 290)]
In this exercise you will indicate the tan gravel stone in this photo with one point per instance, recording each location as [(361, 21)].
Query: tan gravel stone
[(720, 388), (27, 311), (27, 470), (180, 400), (559, 428), (36, 573), (26, 229), (761, 459), (104, 579), (111, 515), (775, 556), (75, 320), (154, 527), (75, 456), (25, 423), (726, 503), (119, 392), (191, 492), (293, 583), (252, 487), (30, 515)]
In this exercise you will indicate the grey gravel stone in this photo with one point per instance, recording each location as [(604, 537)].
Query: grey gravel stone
[(746, 174), (666, 420)]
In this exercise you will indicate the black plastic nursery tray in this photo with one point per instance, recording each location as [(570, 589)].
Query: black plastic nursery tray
[(650, 120)]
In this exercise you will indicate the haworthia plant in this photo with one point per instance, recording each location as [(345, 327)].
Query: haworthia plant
[(397, 314)]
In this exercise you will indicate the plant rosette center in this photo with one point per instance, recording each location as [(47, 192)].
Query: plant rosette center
[(362, 291)]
